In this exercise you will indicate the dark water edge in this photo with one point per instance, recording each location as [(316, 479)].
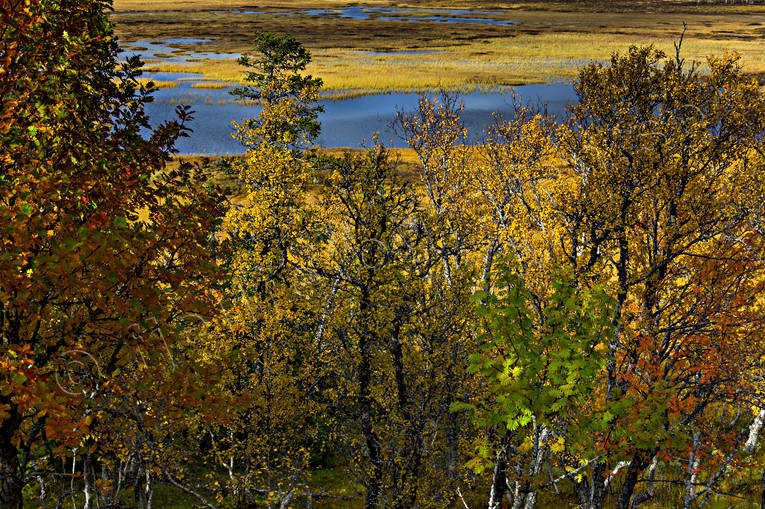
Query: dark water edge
[(345, 123)]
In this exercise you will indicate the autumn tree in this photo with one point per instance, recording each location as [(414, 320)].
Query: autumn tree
[(275, 78), (665, 164), (390, 329), (347, 291), (269, 332), (98, 234), (541, 358), (652, 191)]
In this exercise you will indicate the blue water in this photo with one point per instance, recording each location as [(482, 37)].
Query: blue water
[(436, 15), (185, 40), (344, 123), (361, 13)]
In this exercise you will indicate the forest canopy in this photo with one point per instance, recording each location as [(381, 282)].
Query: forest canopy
[(564, 311)]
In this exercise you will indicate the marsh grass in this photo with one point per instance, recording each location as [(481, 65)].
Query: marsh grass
[(157, 84), (168, 55), (212, 86), (622, 6), (551, 42), (504, 62)]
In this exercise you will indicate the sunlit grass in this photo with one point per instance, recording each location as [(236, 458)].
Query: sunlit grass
[(212, 86), (158, 84), (545, 47), (518, 61)]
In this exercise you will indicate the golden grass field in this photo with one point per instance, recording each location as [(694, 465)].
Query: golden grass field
[(550, 42)]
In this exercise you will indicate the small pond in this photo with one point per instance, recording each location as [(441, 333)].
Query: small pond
[(344, 123)]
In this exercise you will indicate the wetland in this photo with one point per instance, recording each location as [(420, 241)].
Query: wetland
[(377, 56), (347, 122)]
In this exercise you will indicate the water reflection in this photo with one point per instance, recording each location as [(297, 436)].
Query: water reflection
[(344, 123)]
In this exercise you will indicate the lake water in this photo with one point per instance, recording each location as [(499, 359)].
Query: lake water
[(400, 14), (361, 13), (344, 123)]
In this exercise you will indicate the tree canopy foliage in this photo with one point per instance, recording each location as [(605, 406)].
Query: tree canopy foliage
[(562, 310), (103, 246)]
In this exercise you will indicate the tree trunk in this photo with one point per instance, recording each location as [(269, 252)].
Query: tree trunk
[(87, 478), (138, 488), (690, 478), (43, 492), (637, 465), (498, 481), (648, 493), (598, 485), (583, 491), (149, 489), (10, 477), (365, 408), (452, 454)]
